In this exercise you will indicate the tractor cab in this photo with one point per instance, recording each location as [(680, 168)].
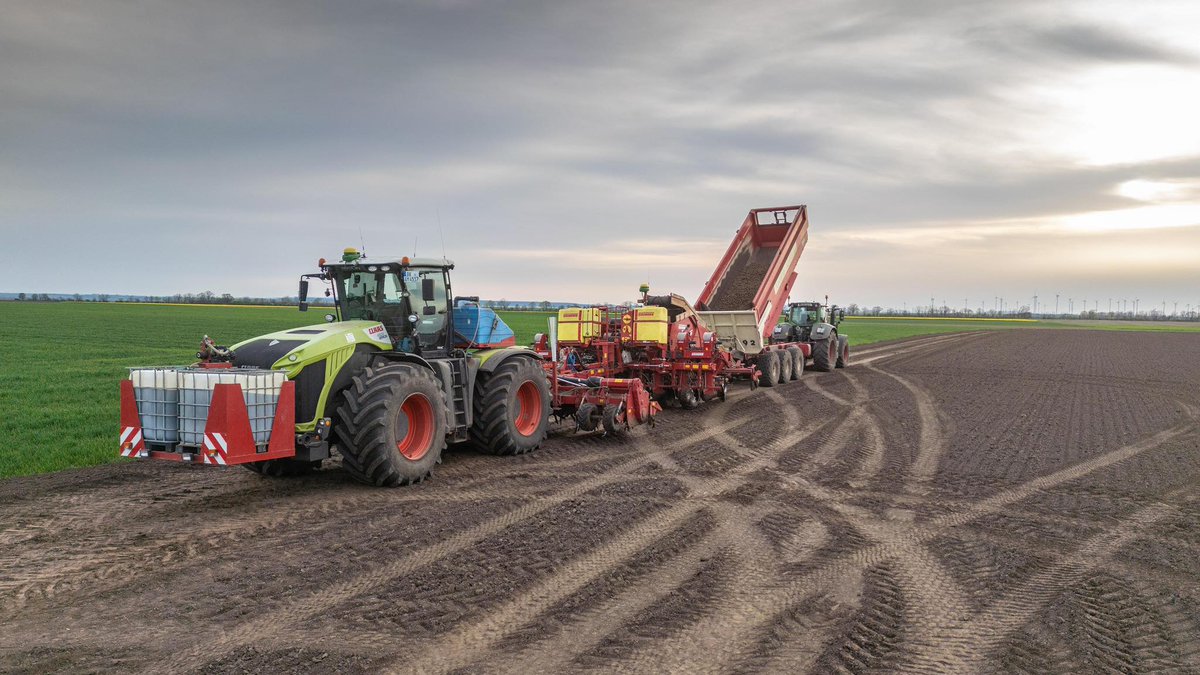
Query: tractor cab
[(410, 297), (805, 314)]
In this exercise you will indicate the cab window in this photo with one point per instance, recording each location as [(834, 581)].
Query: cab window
[(431, 314), (359, 291)]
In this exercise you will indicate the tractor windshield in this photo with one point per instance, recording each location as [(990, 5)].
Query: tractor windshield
[(395, 299)]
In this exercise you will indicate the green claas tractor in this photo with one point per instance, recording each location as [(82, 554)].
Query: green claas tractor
[(816, 324), (397, 372)]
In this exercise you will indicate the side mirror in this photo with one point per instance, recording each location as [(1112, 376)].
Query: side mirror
[(303, 295), (427, 290)]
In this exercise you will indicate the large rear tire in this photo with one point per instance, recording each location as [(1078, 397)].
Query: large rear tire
[(391, 425), (843, 356), (282, 468), (768, 365), (785, 367), (512, 408), (824, 355), (797, 357)]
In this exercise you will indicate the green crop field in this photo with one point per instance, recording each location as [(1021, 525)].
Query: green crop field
[(865, 330), (60, 363)]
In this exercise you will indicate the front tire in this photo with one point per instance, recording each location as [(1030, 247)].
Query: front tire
[(824, 355), (843, 356), (391, 426), (512, 408)]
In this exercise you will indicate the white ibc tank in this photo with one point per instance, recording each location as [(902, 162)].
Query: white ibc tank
[(157, 393), (260, 390)]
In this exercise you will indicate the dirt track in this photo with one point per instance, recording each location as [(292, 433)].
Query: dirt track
[(1007, 501)]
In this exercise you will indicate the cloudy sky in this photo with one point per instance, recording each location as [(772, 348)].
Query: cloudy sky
[(570, 151)]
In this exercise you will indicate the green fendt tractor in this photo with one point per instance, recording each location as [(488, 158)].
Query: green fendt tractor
[(389, 381), (816, 324)]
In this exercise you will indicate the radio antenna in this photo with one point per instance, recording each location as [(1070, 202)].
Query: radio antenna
[(441, 233), (362, 242)]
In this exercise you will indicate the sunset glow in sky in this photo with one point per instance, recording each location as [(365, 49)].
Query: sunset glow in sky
[(571, 151)]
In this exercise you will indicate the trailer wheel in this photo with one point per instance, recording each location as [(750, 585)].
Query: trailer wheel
[(586, 417), (688, 400), (768, 363), (611, 413), (797, 357), (824, 355), (392, 425), (512, 408), (282, 468), (843, 356), (785, 367)]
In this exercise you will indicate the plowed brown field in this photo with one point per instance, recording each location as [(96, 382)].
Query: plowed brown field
[(1011, 501)]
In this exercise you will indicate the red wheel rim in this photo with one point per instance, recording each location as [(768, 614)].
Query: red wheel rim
[(414, 427), (529, 408), (846, 353), (833, 350)]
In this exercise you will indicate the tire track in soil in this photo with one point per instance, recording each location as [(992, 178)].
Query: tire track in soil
[(571, 628), (920, 349), (806, 586), (735, 530), (120, 547), (907, 346), (969, 647), (334, 594), (602, 628), (875, 632), (866, 458), (931, 591), (754, 577), (1117, 629), (460, 648), (118, 571), (81, 570), (937, 592), (844, 569), (306, 513), (932, 433)]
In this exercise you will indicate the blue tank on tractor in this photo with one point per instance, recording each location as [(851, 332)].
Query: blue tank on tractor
[(478, 327)]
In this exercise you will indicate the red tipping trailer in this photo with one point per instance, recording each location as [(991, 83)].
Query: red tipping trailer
[(746, 294)]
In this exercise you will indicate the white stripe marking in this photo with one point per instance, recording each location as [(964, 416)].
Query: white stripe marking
[(125, 433)]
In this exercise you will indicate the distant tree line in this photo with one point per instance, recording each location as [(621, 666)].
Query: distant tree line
[(1020, 312), (201, 298)]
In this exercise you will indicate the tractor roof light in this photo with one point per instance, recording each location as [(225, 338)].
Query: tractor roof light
[(404, 260), (321, 262)]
